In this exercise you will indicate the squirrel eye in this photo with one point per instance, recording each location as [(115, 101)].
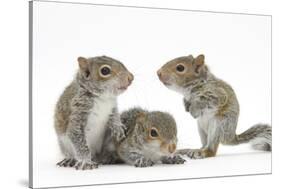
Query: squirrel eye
[(153, 133), (180, 68), (105, 71)]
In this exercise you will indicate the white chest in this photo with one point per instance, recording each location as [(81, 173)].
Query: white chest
[(97, 120), (187, 94), (152, 151), (207, 119), (203, 122)]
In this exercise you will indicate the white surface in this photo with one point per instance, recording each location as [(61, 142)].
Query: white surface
[(144, 39), (227, 163), (14, 45)]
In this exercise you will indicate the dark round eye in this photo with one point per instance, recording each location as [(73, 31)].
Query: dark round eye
[(153, 133), (105, 71), (180, 68)]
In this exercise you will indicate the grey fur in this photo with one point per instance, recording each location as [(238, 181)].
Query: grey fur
[(75, 105), (135, 149), (209, 97), (215, 106), (259, 135)]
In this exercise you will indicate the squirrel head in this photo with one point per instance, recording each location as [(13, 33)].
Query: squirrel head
[(158, 130), (183, 72), (103, 74)]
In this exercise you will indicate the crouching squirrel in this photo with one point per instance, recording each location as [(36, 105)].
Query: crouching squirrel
[(213, 103), (87, 107), (151, 137)]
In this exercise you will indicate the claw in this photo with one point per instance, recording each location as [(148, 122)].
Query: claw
[(67, 162), (177, 159), (144, 163), (195, 154), (85, 165)]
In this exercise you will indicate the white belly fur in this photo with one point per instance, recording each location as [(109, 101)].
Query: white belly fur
[(97, 120), (206, 120)]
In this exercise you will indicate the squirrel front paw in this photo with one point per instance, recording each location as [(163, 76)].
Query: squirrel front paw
[(118, 133), (85, 165), (176, 159), (194, 111), (186, 105), (143, 162)]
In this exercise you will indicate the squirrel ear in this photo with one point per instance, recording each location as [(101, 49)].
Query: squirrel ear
[(83, 62), (190, 57), (199, 62), (84, 66)]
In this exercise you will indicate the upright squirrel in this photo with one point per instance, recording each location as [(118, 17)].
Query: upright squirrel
[(87, 108), (213, 103), (151, 137)]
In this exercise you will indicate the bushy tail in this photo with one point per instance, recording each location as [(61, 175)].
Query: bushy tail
[(259, 136)]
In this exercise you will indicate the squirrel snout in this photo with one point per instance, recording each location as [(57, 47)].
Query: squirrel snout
[(162, 76), (159, 73), (130, 78)]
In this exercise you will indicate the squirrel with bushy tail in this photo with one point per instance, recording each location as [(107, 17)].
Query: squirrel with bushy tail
[(213, 103)]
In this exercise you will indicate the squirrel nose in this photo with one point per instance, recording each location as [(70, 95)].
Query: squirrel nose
[(172, 148), (159, 73), (130, 78), (162, 76)]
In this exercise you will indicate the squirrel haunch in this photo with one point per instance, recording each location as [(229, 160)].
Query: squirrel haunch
[(213, 103)]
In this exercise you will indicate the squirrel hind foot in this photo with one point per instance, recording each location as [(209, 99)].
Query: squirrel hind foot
[(196, 153), (67, 162), (85, 165)]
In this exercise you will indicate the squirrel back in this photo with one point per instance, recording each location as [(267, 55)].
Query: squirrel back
[(129, 118), (140, 120)]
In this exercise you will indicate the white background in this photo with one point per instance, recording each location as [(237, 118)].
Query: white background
[(15, 71), (237, 48)]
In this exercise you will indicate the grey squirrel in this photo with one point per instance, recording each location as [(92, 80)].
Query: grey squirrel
[(213, 103), (151, 137), (87, 108)]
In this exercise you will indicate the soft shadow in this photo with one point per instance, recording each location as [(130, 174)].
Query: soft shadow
[(243, 153), (24, 183)]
